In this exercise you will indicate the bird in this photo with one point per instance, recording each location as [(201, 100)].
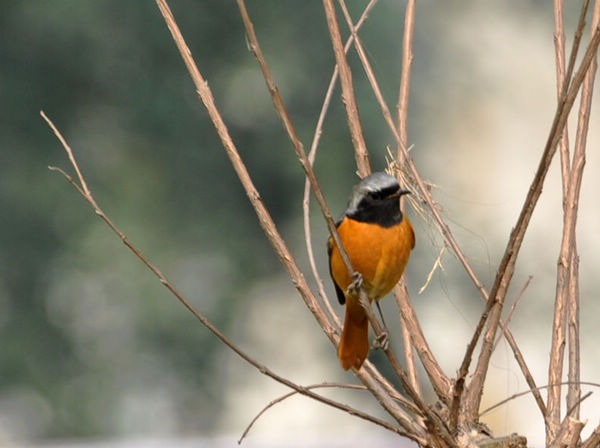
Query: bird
[(378, 239)]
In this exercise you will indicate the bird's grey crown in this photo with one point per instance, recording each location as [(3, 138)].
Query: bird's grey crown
[(375, 184)]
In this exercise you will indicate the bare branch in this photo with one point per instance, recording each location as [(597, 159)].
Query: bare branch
[(408, 352), (513, 307), (439, 381), (568, 434), (311, 157), (436, 374), (87, 195), (311, 387), (559, 49), (360, 148), (437, 264), (593, 440), (404, 92), (529, 391), (576, 178), (291, 131), (401, 418), (507, 264), (397, 413), (567, 281)]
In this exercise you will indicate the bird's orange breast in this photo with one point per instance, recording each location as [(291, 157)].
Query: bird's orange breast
[(378, 253)]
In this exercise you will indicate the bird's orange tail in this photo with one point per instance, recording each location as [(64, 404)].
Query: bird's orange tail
[(354, 344)]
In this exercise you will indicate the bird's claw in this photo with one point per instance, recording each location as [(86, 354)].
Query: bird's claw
[(356, 284), (382, 341)]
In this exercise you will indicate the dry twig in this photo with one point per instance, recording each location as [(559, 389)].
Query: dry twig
[(566, 309), (311, 157), (507, 264), (84, 191), (360, 147), (291, 394)]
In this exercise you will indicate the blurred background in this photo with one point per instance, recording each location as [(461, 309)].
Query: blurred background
[(95, 349)]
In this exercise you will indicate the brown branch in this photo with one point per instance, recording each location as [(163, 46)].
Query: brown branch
[(568, 434), (433, 370), (387, 403), (513, 307), (530, 391), (404, 92), (435, 374), (567, 281), (409, 351), (401, 418), (507, 264), (311, 387), (436, 424), (574, 391), (559, 49), (264, 217), (291, 131), (439, 381), (452, 242), (311, 157), (360, 148), (401, 293), (409, 354), (87, 195), (593, 440), (560, 309)]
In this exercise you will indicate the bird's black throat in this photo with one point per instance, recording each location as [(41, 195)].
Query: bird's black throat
[(384, 212)]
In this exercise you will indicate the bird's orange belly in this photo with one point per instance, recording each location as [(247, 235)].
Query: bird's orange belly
[(378, 253)]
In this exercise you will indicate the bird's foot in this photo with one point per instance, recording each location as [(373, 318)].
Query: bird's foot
[(382, 341), (356, 284)]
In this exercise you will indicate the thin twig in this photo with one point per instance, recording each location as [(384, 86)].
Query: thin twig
[(291, 131), (408, 351), (363, 162), (311, 157), (445, 230), (435, 373), (574, 372), (87, 195), (432, 419), (575, 405), (264, 217), (506, 268), (401, 418), (397, 413), (291, 394), (559, 50), (560, 310), (513, 307), (567, 282), (437, 264), (439, 381), (402, 108), (404, 91), (528, 391)]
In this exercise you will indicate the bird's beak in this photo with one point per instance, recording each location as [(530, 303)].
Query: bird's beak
[(400, 193)]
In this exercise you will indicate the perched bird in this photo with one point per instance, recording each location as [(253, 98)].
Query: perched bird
[(378, 239)]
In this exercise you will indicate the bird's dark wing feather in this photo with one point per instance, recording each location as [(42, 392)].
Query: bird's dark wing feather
[(338, 291)]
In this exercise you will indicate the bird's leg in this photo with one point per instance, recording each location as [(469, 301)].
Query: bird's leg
[(382, 341)]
